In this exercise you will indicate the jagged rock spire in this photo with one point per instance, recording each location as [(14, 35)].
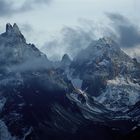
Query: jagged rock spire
[(12, 29), (14, 32), (16, 29), (66, 58), (66, 61), (9, 28)]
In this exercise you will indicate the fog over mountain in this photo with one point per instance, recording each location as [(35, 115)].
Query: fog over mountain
[(71, 40), (69, 70), (96, 92), (47, 18)]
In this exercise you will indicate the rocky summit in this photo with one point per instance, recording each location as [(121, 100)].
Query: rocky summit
[(94, 96)]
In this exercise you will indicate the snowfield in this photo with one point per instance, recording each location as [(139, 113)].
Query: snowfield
[(120, 93)]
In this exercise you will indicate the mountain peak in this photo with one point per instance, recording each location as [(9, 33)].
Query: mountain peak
[(13, 33), (66, 58), (107, 41), (10, 30), (16, 29), (13, 45)]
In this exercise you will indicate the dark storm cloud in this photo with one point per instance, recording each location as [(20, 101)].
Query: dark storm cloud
[(7, 8), (128, 34), (30, 4)]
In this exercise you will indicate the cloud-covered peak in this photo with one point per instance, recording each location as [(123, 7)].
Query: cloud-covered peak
[(107, 40), (9, 28), (128, 34)]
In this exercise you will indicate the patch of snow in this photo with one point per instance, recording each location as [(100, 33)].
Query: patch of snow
[(21, 105), (90, 62), (73, 97), (2, 103), (95, 109), (27, 133), (134, 128), (77, 83), (103, 63), (4, 133), (120, 93)]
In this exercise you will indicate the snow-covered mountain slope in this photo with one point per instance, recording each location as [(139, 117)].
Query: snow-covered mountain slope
[(108, 74), (95, 96), (120, 94)]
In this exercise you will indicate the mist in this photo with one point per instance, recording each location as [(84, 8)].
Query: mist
[(32, 64), (72, 40)]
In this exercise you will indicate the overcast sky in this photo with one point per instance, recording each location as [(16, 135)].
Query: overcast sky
[(41, 19)]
